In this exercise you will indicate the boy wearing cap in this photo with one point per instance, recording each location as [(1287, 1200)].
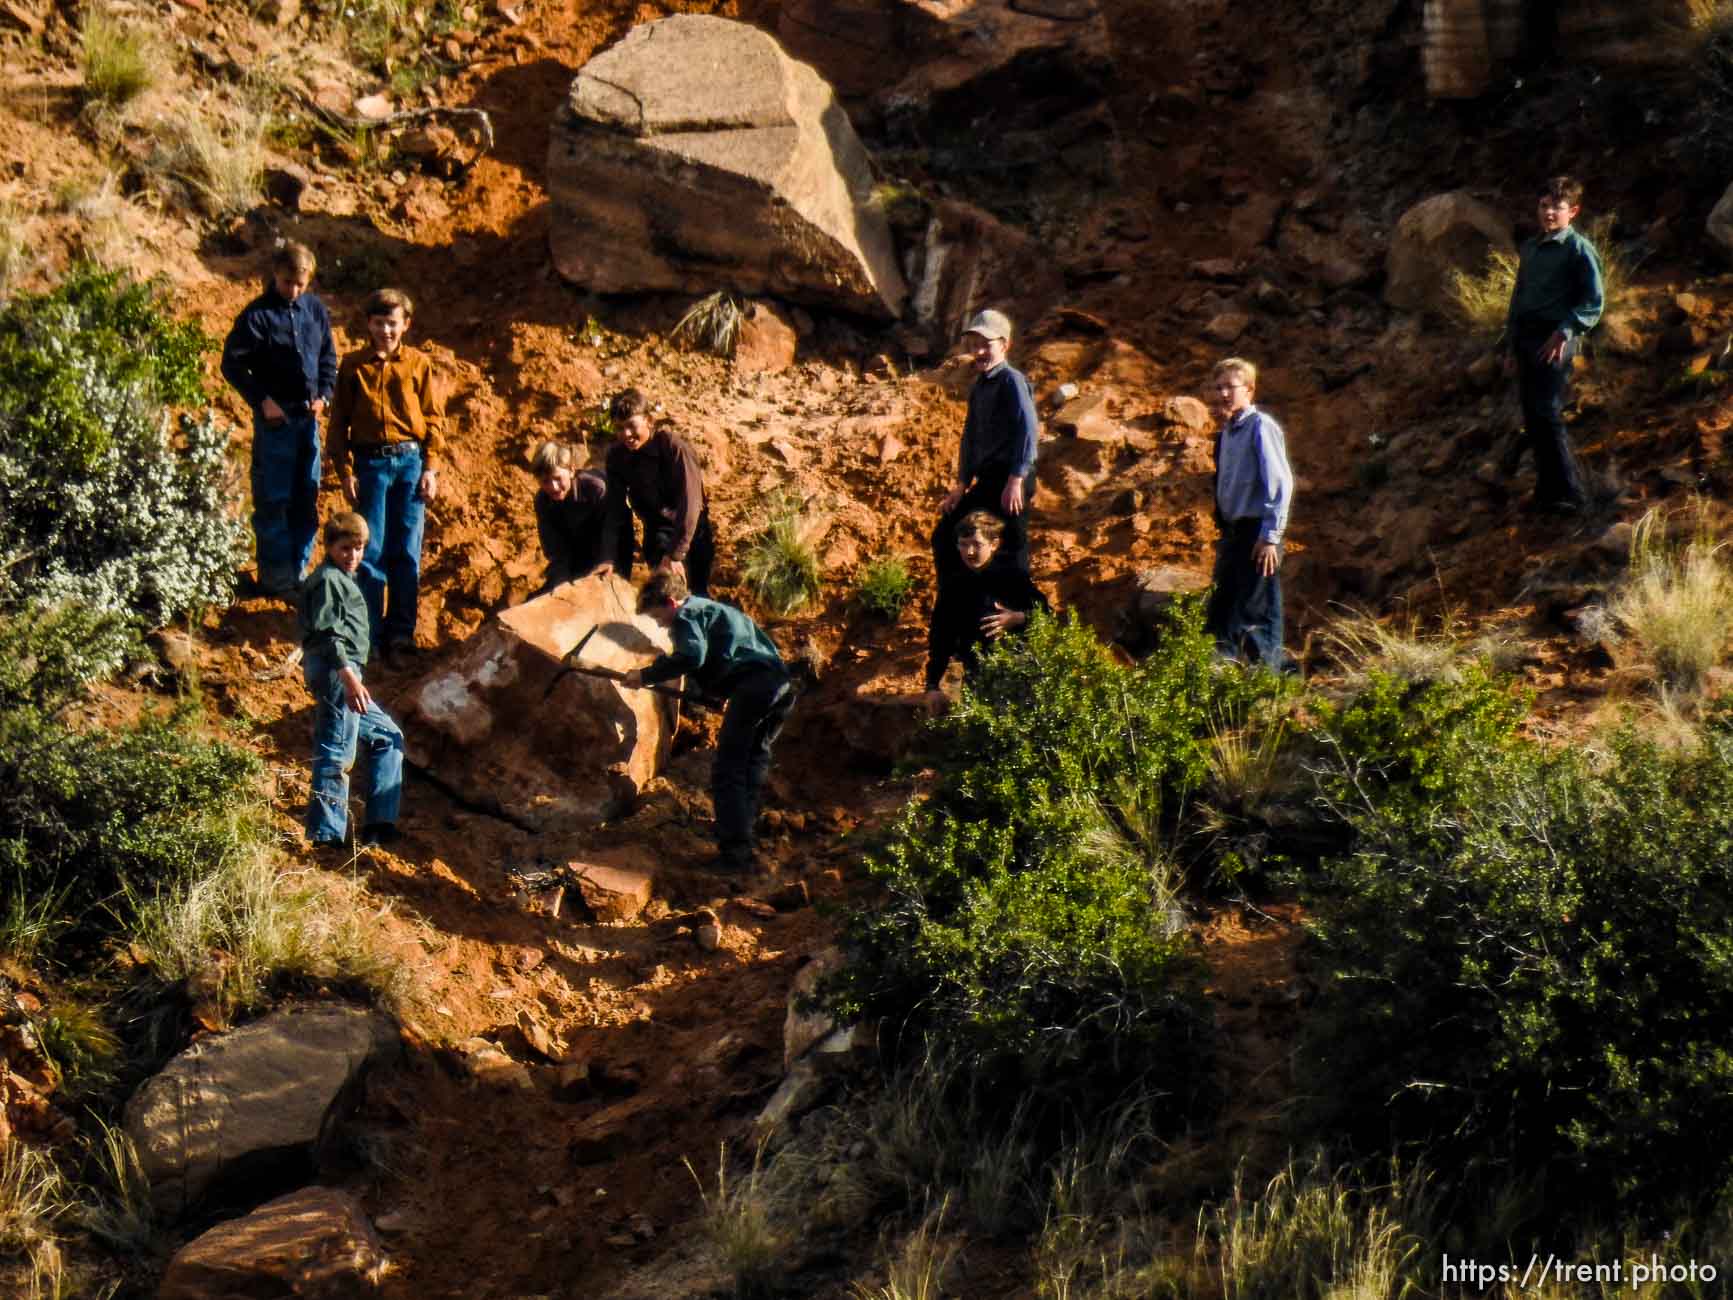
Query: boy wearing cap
[(996, 462), (1254, 489)]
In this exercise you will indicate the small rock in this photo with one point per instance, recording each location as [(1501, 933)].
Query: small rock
[(1687, 336), (1129, 502), (791, 897), (1067, 392), (526, 959), (1186, 413), (314, 1242), (751, 906), (1691, 306), (1622, 337), (1080, 415), (890, 447), (280, 13), (375, 108), (709, 937), (537, 1036), (1226, 327), (1216, 268), (612, 893)]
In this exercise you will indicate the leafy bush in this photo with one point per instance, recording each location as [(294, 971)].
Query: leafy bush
[(98, 505), (1023, 923), (778, 565), (1525, 956), (884, 587), (1677, 601)]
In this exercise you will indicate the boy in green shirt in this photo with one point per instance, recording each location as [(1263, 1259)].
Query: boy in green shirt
[(725, 654), (334, 641)]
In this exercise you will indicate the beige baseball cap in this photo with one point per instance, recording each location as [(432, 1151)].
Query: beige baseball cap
[(990, 325)]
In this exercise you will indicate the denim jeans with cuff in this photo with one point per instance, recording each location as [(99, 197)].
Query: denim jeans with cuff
[(758, 705), (388, 497), (285, 479), (338, 731), (1245, 607)]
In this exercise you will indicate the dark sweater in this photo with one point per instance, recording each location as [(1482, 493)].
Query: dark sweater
[(1000, 430), (282, 350), (964, 600), (1559, 286), (661, 484), (571, 530)]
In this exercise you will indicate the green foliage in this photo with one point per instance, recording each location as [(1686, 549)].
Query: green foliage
[(1525, 956), (712, 324), (884, 587), (1024, 923), (778, 564), (395, 39), (99, 505)]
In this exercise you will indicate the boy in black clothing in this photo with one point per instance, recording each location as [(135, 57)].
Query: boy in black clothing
[(571, 516), (654, 474), (979, 603), (724, 653)]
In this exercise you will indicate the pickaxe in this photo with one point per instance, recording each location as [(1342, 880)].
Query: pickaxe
[(570, 664)]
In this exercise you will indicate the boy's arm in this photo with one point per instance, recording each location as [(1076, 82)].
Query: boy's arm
[(688, 497), (237, 364), (1591, 295), (685, 658), (430, 392), (1028, 427), (327, 357), (1278, 479), (337, 427), (559, 559), (322, 607)]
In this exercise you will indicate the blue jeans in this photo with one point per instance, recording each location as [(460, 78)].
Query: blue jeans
[(1245, 608), (1543, 389), (337, 732), (285, 474), (388, 480), (758, 705)]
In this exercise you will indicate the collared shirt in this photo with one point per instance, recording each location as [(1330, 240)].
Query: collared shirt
[(282, 350), (333, 617), (714, 644), (1253, 479), (572, 525), (1559, 287), (384, 400), (662, 484), (999, 431), (964, 600)]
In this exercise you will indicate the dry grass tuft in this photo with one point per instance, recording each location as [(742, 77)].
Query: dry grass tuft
[(216, 154), (1361, 644), (918, 1270), (118, 61), (712, 324), (33, 1196), (779, 565), (1482, 298), (1677, 601), (742, 1220)]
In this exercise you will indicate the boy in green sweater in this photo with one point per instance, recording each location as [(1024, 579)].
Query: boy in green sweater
[(334, 641), (724, 654)]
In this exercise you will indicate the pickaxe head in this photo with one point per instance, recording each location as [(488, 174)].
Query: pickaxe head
[(578, 649)]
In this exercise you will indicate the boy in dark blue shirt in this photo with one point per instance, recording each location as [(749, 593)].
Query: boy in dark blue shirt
[(996, 462), (977, 605), (1558, 297), (281, 357), (725, 654)]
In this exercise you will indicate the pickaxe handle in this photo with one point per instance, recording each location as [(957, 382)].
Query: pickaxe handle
[(615, 675)]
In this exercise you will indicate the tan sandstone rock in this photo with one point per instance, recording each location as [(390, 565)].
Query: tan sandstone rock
[(506, 728), (695, 154), (266, 1087), (314, 1244), (1437, 236)]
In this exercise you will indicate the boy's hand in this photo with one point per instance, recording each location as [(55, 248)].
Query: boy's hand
[(671, 565), (1553, 351), (936, 702), (271, 411), (1267, 556), (1001, 621), (351, 488), (1012, 498), (317, 405), (429, 489), (634, 678), (951, 498), (354, 691)]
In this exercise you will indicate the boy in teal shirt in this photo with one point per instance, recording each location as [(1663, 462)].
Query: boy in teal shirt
[(334, 641), (725, 654)]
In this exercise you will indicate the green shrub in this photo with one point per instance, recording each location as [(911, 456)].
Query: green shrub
[(778, 565), (884, 587), (1024, 923), (1525, 957), (99, 505)]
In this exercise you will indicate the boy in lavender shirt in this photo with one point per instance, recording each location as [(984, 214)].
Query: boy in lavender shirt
[(1254, 488)]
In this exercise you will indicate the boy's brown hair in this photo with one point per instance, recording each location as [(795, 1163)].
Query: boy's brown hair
[(382, 302), (1566, 189), (984, 522), (345, 525), (665, 588), (294, 256), (552, 455), (1247, 372), (627, 404)]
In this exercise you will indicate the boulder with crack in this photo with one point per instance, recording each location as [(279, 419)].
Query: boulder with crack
[(696, 155), (507, 728)]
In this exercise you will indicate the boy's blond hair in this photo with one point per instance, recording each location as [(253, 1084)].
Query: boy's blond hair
[(1247, 372), (382, 302), (294, 256), (984, 522), (552, 455), (665, 588), (345, 525)]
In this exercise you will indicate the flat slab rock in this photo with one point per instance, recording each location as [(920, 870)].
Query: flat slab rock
[(695, 155), (314, 1244), (503, 726), (263, 1088)]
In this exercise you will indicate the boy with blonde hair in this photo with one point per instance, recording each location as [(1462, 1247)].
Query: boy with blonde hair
[(1254, 489), (572, 516), (280, 356), (334, 641), (388, 415)]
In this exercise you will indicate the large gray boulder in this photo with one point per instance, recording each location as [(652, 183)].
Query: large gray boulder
[(1436, 237), (314, 1244), (261, 1090), (506, 727), (696, 155)]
